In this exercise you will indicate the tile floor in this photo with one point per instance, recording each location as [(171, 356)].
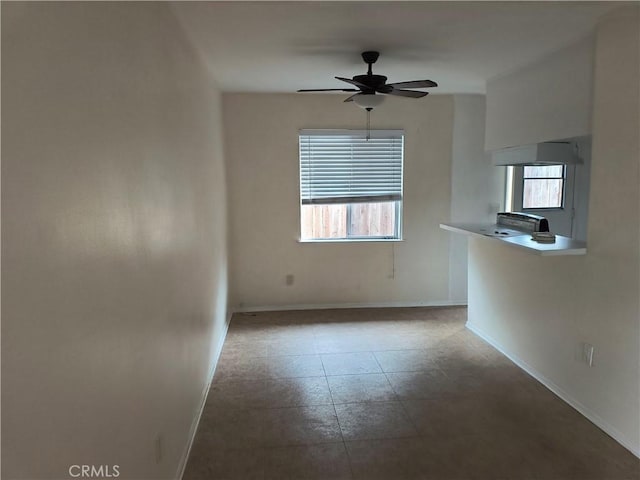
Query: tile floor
[(392, 394)]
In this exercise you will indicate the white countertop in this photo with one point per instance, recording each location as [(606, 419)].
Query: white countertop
[(522, 240)]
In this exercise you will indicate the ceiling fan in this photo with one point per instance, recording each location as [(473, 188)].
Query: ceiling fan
[(370, 85)]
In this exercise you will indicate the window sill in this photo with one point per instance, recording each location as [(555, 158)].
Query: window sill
[(543, 209), (352, 240)]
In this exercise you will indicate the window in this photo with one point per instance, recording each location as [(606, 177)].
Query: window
[(543, 186), (351, 187)]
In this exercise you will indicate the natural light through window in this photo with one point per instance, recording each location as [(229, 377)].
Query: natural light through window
[(543, 186), (350, 187)]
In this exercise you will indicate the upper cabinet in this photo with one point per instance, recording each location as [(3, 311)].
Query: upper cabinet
[(548, 153), (548, 100)]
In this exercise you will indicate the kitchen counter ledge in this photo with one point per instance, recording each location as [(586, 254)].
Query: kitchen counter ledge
[(521, 240)]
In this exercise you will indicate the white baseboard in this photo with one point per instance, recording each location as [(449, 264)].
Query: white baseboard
[(322, 306), (196, 420), (586, 412)]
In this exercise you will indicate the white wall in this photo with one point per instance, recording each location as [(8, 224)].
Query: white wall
[(113, 238), (261, 141), (477, 187), (548, 100), (539, 310), (582, 188)]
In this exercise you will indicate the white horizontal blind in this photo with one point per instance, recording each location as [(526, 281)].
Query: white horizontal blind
[(342, 166)]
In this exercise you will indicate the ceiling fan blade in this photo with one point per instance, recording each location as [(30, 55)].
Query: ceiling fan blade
[(407, 93), (361, 86), (414, 84), (350, 99), (330, 90)]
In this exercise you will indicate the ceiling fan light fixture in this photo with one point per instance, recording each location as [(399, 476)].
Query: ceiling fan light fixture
[(368, 100)]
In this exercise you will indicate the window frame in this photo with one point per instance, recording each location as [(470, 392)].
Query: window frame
[(519, 172), (398, 224), (397, 227)]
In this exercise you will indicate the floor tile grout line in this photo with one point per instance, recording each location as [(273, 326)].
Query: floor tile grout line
[(410, 418), (284, 445), (397, 397), (340, 353), (231, 379), (312, 405), (391, 385), (378, 362), (335, 411), (402, 405)]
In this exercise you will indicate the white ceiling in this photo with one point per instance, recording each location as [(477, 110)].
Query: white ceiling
[(284, 46)]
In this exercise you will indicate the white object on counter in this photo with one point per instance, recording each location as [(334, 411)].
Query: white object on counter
[(543, 237), (522, 240)]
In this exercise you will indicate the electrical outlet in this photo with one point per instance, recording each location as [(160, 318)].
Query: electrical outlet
[(587, 354), (289, 279), (159, 448)]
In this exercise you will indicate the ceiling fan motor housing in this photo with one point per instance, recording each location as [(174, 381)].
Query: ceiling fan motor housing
[(372, 81)]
